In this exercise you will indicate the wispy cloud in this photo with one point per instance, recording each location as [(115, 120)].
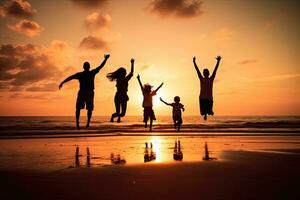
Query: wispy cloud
[(96, 21), (176, 8), (89, 4), (272, 78), (26, 27), (248, 61), (17, 8), (93, 42)]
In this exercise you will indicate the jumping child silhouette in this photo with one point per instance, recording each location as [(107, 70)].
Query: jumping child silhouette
[(177, 119), (121, 96), (206, 92), (147, 102)]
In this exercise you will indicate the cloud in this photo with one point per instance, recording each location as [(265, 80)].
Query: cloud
[(28, 67), (92, 42), (17, 8), (96, 21), (58, 45), (250, 61), (224, 34), (272, 78), (90, 4), (176, 8), (48, 87), (26, 27)]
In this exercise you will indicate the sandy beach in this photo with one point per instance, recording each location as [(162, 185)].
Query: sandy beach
[(247, 167)]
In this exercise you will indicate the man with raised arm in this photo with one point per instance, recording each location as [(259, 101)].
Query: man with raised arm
[(85, 97), (206, 92)]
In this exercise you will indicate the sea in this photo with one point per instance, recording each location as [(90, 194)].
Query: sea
[(51, 125)]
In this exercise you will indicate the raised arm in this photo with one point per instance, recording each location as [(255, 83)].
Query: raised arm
[(218, 58), (129, 76), (197, 69), (74, 76), (106, 56), (158, 87), (139, 79), (168, 104)]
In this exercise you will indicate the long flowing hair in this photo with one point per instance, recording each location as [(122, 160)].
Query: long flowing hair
[(119, 73)]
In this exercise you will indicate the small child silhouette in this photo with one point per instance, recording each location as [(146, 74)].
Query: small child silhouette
[(147, 102), (177, 106), (206, 92)]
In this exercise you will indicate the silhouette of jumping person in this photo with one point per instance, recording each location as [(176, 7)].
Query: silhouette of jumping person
[(206, 92), (121, 96), (85, 95), (177, 106), (147, 102)]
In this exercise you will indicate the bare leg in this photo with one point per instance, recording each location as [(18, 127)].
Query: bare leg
[(151, 121), (117, 113), (124, 108), (89, 116), (77, 118)]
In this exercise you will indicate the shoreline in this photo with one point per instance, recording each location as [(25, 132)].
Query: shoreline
[(37, 134)]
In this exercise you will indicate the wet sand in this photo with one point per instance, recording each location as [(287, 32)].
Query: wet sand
[(246, 168)]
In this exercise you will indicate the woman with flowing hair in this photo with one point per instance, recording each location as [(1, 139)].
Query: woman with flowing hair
[(121, 96)]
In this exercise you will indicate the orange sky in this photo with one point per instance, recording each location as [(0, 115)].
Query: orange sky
[(42, 42)]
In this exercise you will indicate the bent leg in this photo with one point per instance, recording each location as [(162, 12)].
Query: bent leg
[(117, 113)]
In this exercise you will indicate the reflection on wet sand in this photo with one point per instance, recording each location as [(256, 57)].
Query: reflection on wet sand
[(177, 155), (149, 154), (117, 160), (206, 153)]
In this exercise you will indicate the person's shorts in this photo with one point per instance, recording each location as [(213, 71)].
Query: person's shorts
[(206, 106), (85, 99), (177, 119), (121, 97), (148, 114)]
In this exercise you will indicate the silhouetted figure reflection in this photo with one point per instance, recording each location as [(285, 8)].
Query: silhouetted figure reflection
[(121, 96), (77, 162), (85, 97), (177, 155), (117, 160), (149, 154), (206, 153), (206, 92), (176, 112), (147, 102), (88, 157)]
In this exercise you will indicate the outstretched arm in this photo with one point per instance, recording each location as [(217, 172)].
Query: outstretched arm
[(106, 56), (129, 76), (218, 58), (197, 69), (158, 87), (139, 79), (74, 76), (165, 102)]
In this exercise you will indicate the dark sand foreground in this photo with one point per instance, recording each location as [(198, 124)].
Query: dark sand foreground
[(241, 175)]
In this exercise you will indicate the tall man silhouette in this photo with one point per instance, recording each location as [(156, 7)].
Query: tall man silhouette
[(85, 95)]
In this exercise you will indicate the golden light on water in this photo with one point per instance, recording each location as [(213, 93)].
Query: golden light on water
[(157, 147)]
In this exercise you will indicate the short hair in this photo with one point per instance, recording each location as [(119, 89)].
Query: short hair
[(86, 65)]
